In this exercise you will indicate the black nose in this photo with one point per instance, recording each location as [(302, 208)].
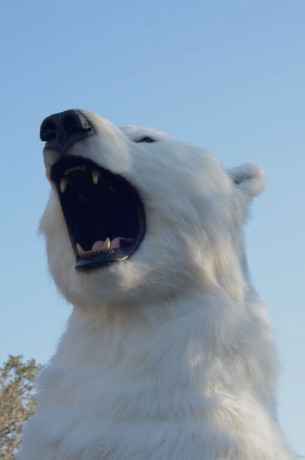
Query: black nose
[(63, 129)]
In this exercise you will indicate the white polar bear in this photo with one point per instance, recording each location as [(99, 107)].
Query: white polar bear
[(169, 352)]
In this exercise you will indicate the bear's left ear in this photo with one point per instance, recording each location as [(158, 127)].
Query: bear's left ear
[(249, 179)]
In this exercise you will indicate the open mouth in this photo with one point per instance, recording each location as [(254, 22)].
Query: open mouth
[(103, 212)]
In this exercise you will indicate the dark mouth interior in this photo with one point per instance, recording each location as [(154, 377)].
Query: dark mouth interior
[(104, 213)]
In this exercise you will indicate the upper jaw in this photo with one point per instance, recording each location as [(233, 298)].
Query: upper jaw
[(104, 213)]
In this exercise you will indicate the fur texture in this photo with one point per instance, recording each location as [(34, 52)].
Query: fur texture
[(169, 354)]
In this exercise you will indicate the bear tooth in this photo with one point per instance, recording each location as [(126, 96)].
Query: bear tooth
[(80, 250), (106, 246), (63, 184), (74, 168), (95, 176)]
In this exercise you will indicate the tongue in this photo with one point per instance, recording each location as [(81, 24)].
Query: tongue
[(114, 244)]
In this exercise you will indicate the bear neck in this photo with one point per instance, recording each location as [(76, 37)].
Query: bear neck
[(182, 353)]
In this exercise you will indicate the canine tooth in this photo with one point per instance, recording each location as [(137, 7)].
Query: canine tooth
[(95, 175), (80, 250), (63, 184), (106, 246)]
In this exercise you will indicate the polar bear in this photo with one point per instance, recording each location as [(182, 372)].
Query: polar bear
[(168, 353)]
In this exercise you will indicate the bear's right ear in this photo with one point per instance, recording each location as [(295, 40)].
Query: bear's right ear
[(249, 179)]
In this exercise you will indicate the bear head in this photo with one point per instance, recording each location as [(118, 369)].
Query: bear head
[(136, 215)]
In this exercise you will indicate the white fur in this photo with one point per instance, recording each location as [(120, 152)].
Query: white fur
[(168, 355)]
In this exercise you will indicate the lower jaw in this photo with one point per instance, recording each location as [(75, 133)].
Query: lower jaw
[(101, 259)]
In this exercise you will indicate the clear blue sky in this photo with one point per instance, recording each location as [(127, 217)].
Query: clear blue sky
[(226, 75)]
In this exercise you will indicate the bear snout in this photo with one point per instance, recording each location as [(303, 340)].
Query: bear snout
[(61, 130)]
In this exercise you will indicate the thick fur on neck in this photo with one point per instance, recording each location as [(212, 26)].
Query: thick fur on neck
[(170, 354)]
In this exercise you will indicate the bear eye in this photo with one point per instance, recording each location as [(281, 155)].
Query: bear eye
[(145, 139)]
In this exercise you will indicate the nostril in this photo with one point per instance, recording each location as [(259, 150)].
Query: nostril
[(74, 122), (70, 124), (48, 130)]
